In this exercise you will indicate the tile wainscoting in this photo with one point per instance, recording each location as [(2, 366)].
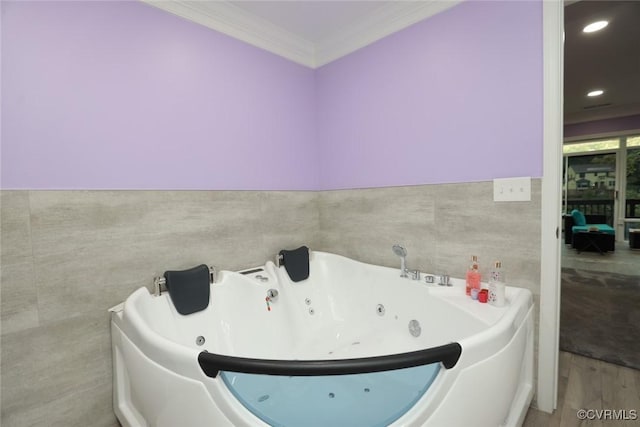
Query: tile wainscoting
[(440, 225), (67, 256)]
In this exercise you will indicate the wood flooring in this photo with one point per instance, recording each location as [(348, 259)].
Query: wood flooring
[(585, 383)]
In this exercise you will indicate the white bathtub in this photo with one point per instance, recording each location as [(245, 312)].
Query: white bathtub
[(346, 315)]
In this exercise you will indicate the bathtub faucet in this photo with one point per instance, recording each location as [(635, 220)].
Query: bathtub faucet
[(402, 253)]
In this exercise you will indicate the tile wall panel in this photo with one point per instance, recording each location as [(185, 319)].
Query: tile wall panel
[(19, 303), (441, 226), (364, 224)]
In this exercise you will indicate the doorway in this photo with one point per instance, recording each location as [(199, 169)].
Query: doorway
[(601, 291)]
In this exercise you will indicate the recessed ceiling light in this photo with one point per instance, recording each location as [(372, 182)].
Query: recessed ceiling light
[(595, 26), (595, 92)]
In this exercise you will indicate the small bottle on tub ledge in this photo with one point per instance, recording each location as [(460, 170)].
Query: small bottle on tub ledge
[(473, 276), (497, 286)]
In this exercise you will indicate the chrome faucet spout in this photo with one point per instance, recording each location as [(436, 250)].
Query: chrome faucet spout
[(403, 267)]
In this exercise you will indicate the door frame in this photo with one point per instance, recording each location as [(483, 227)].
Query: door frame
[(551, 204)]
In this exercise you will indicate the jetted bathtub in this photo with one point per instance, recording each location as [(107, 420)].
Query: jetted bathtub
[(352, 345)]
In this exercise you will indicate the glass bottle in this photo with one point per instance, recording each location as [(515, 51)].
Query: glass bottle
[(496, 273), (473, 275), (497, 286)]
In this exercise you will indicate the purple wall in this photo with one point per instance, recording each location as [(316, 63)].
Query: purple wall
[(596, 127), (121, 95), (455, 98)]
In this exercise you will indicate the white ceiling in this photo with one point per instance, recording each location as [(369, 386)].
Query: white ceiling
[(314, 33), (608, 59), (314, 21)]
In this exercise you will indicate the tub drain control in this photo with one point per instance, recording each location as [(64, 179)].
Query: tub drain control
[(200, 340), (414, 328)]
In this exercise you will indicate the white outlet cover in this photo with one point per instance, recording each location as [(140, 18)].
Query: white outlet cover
[(512, 189)]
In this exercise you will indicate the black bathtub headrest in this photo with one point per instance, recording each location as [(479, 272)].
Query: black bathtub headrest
[(189, 289), (296, 262)]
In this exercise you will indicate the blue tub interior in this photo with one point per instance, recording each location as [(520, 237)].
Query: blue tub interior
[(358, 400)]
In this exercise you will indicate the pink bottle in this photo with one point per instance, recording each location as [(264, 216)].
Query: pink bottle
[(473, 275)]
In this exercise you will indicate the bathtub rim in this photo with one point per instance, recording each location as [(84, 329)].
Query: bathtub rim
[(521, 298)]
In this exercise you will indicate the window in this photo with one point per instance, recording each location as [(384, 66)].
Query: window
[(595, 171), (592, 146), (632, 189)]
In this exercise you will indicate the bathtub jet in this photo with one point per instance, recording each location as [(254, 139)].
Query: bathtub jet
[(332, 349)]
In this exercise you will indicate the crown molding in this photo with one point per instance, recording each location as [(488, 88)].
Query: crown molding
[(379, 23), (225, 17), (233, 21)]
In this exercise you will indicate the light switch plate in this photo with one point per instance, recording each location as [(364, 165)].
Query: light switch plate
[(512, 189)]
